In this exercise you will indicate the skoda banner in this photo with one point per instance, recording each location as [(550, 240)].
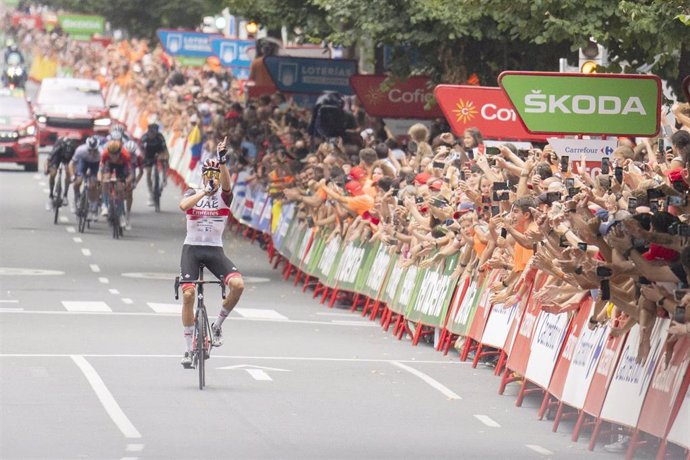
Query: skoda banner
[(191, 48), (306, 75), (487, 109), (80, 26), (404, 99), (596, 104)]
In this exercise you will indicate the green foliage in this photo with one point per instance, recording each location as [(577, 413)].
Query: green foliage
[(141, 19), (455, 38)]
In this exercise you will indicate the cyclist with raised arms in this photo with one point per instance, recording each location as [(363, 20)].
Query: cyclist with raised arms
[(154, 148), (207, 210), (85, 163)]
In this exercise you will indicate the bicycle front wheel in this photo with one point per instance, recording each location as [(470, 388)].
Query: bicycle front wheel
[(201, 349), (57, 199), (156, 188), (83, 211)]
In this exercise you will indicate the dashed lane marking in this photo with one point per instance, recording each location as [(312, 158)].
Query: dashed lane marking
[(127, 300), (76, 239), (71, 229), (257, 313), (539, 449), (486, 420), (64, 219), (9, 301), (134, 447), (103, 279), (95, 268), (80, 306), (86, 252), (114, 291)]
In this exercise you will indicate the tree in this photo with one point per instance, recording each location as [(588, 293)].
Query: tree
[(450, 39)]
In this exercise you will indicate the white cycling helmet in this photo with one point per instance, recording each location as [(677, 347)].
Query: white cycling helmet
[(131, 146), (92, 143)]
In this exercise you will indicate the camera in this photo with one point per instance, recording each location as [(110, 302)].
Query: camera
[(605, 165), (500, 186), (418, 200), (644, 280), (501, 196), (565, 161), (660, 147), (438, 202), (462, 175), (563, 242), (310, 221), (604, 272)]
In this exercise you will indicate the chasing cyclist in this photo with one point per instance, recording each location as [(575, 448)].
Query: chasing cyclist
[(137, 166), (154, 148), (60, 154), (85, 163), (115, 161), (207, 211)]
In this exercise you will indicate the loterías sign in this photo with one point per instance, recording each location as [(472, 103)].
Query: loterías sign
[(597, 104), (402, 99), (485, 108)]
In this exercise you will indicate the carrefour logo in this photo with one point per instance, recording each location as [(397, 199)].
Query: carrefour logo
[(582, 104)]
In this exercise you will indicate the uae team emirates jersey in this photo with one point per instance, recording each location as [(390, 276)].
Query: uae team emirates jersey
[(206, 220)]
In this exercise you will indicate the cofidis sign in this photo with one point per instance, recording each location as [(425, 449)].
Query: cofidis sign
[(596, 104), (411, 98)]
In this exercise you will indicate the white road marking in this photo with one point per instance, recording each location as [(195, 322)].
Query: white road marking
[(171, 276), (8, 309), (362, 322), (244, 358), (258, 374), (42, 183), (46, 190), (114, 291), (486, 420), (539, 449), (86, 306), (9, 301), (326, 313), (95, 268), (127, 300), (15, 271), (129, 458), (86, 252), (106, 398), (64, 219), (165, 307), (258, 313), (76, 239), (103, 279), (427, 379), (134, 447), (71, 229)]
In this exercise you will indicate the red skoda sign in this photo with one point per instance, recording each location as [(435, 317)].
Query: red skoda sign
[(401, 100), (487, 109)]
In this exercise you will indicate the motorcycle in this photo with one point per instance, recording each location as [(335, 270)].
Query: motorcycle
[(14, 77)]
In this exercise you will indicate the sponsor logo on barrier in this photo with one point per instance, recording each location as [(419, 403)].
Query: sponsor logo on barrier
[(549, 335), (378, 269), (433, 290), (669, 379), (350, 263), (329, 255), (463, 312), (408, 286), (393, 281), (527, 325)]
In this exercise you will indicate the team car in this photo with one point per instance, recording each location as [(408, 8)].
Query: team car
[(18, 142)]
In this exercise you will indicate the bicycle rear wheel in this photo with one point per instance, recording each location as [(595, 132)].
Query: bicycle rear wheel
[(57, 198), (156, 188), (114, 218), (201, 349), (83, 210)]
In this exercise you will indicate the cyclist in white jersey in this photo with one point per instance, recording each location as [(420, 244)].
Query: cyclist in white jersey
[(207, 211)]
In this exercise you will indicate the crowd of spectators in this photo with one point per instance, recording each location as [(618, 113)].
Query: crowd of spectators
[(620, 236)]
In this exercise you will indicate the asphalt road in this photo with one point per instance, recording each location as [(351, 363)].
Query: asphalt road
[(90, 343)]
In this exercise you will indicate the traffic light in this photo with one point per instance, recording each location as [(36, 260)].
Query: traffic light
[(591, 56), (252, 28)]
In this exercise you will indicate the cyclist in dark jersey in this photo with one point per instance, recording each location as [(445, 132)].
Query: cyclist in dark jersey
[(154, 147), (61, 154)]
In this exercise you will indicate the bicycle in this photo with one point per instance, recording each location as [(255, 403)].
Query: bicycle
[(156, 188), (201, 342), (57, 194), (115, 207), (84, 204)]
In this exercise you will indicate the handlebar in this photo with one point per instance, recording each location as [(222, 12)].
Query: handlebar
[(197, 282)]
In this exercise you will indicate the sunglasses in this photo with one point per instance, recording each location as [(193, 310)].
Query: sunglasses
[(210, 174)]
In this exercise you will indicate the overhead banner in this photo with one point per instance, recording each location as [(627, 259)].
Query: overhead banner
[(485, 108), (596, 104), (306, 75), (233, 53), (183, 43), (81, 26), (404, 99)]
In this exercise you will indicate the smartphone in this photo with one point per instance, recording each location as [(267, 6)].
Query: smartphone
[(470, 154), (495, 210), (673, 200), (572, 191), (653, 193), (552, 197), (418, 200), (504, 233), (660, 147), (582, 246), (569, 182), (679, 315), (310, 221), (618, 174), (438, 164), (500, 186), (486, 199), (492, 151), (563, 242), (605, 165), (632, 204), (565, 161), (605, 290), (604, 272), (446, 180), (654, 205), (462, 175)]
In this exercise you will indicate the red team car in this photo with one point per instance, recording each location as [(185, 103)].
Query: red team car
[(18, 142), (70, 107)]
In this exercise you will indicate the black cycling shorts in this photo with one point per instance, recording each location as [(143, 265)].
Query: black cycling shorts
[(213, 258)]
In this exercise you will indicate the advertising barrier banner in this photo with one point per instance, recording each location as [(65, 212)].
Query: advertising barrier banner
[(596, 104), (329, 262), (184, 43), (307, 75), (392, 285), (407, 287), (680, 430), (412, 98), (82, 26), (380, 267), (433, 293), (463, 308), (483, 308), (233, 53), (485, 108), (353, 256), (547, 342)]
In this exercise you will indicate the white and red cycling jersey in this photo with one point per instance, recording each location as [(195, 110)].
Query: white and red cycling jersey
[(206, 220)]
